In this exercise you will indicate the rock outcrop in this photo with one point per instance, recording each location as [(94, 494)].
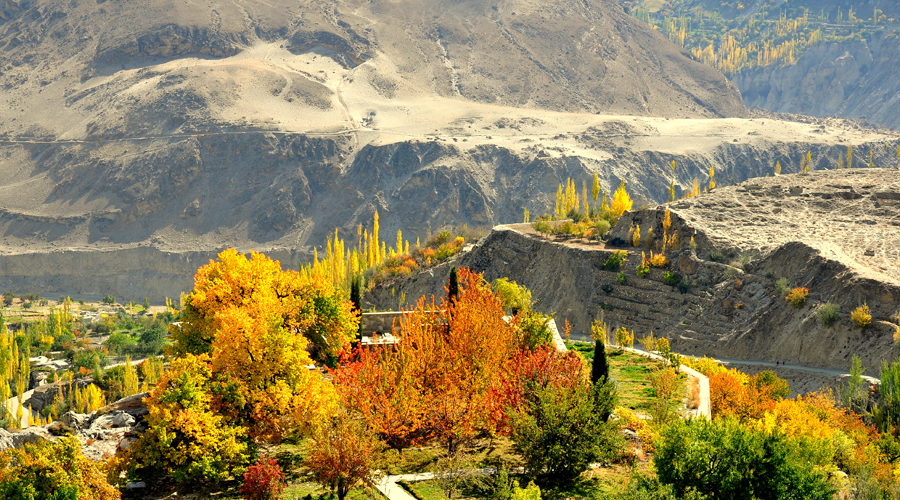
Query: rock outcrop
[(833, 232), (102, 433)]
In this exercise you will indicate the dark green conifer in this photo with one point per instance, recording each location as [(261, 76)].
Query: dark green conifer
[(453, 286)]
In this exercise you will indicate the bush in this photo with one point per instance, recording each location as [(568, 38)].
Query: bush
[(798, 297), (90, 359), (606, 287), (620, 278), (670, 278), (263, 481), (602, 226), (542, 226), (515, 297), (861, 316), (658, 260), (559, 433), (782, 287), (534, 328), (716, 256), (767, 382), (614, 261), (566, 227), (642, 270), (724, 459), (828, 314), (53, 471)]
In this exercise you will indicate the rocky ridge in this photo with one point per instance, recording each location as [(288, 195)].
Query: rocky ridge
[(834, 232)]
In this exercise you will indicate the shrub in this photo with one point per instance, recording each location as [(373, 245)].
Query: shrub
[(828, 314), (658, 260), (534, 328), (782, 287), (620, 278), (614, 261), (798, 297), (439, 239), (542, 226), (566, 227), (642, 270), (861, 316), (624, 338), (263, 481), (602, 226), (716, 256), (606, 287), (671, 278), (530, 492), (54, 471), (664, 381)]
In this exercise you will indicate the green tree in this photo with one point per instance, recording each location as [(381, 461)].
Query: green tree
[(723, 459), (356, 292), (8, 298), (559, 433), (600, 365), (109, 299), (854, 395), (452, 286)]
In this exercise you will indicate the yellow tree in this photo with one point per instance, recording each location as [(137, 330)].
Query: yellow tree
[(621, 201), (259, 323), (595, 190), (186, 437)]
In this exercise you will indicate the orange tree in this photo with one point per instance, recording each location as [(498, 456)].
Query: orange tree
[(343, 454), (437, 382)]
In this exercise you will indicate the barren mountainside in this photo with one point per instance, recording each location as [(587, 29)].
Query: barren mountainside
[(835, 233), (137, 139)]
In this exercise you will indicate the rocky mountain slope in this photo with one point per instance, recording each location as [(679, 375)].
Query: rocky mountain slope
[(834, 232), (850, 79), (137, 139)]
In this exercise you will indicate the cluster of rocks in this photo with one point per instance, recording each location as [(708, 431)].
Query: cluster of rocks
[(102, 433)]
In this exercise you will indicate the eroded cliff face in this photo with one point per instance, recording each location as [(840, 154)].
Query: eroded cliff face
[(727, 311), (849, 79)]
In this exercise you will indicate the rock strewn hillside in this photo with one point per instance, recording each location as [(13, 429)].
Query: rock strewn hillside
[(806, 228)]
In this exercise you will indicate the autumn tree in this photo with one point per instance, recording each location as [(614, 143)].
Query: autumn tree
[(437, 380), (621, 202), (186, 439), (258, 324), (343, 453), (52, 470)]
